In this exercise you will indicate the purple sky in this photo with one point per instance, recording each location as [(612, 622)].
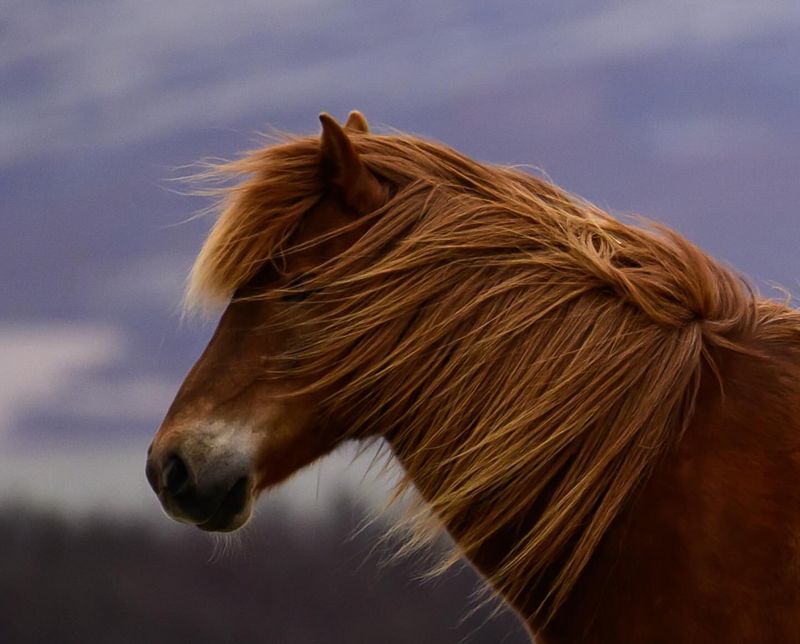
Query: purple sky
[(685, 111)]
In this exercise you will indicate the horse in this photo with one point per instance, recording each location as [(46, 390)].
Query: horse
[(604, 418)]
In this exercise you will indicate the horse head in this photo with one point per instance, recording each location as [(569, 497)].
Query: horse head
[(232, 430)]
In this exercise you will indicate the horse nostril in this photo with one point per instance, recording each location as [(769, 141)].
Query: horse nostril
[(175, 476)]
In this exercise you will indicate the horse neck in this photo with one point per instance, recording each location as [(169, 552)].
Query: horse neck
[(493, 552), (750, 413)]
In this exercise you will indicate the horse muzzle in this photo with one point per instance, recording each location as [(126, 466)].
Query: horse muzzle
[(214, 494)]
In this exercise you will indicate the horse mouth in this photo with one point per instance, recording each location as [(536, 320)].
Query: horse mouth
[(232, 513)]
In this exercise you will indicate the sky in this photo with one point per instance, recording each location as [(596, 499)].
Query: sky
[(684, 111)]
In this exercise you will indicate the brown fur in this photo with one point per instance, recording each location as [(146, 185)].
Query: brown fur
[(587, 406)]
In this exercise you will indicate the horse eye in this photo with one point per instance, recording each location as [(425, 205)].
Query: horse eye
[(294, 294), (297, 296)]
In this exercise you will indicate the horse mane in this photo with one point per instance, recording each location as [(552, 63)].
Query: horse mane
[(520, 348)]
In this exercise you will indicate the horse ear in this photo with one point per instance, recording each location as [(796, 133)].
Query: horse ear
[(342, 167), (356, 122)]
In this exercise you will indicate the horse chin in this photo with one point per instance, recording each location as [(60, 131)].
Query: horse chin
[(234, 511), (225, 524)]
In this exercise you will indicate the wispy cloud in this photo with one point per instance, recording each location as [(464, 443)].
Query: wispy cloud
[(71, 370), (148, 281), (642, 27), (40, 362), (112, 480), (128, 398), (706, 136), (129, 70)]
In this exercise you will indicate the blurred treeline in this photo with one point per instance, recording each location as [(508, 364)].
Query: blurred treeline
[(284, 581)]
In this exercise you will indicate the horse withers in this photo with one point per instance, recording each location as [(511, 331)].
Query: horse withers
[(604, 418)]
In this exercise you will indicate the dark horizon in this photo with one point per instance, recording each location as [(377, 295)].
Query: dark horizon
[(284, 582)]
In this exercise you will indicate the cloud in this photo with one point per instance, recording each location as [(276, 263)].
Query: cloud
[(709, 136), (89, 72), (128, 398), (111, 481), (155, 281), (40, 362), (78, 481), (71, 372), (124, 71), (61, 366), (644, 27)]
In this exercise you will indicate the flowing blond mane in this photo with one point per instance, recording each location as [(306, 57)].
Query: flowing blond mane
[(523, 351)]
